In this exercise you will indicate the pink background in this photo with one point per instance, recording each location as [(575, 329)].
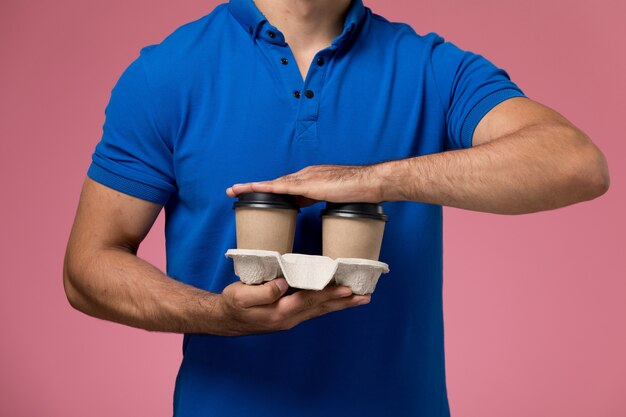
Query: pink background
[(535, 306)]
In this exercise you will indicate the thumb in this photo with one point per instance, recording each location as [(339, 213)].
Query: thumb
[(258, 295)]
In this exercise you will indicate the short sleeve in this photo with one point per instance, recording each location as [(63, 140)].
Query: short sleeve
[(469, 86), (132, 156)]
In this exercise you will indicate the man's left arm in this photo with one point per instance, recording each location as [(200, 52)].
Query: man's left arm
[(525, 158)]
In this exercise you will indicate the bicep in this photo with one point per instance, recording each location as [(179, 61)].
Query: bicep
[(513, 115), (107, 218)]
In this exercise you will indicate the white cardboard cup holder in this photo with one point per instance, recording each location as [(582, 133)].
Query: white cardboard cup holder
[(308, 272)]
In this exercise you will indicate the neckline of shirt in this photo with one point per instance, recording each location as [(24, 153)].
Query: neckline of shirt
[(257, 26)]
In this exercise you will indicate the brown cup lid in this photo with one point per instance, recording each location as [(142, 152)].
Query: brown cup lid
[(355, 210)]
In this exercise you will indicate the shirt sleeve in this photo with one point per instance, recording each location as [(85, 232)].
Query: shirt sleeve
[(133, 157), (469, 86)]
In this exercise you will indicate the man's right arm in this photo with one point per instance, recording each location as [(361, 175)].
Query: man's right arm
[(103, 277)]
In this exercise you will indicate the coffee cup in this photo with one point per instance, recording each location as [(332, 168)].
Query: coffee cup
[(353, 230), (266, 221)]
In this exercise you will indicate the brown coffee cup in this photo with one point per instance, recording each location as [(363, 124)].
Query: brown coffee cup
[(266, 221), (353, 230)]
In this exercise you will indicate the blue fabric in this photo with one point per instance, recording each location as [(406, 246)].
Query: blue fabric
[(213, 105)]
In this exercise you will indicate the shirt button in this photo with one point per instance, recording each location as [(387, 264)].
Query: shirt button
[(296, 94), (271, 34), (250, 29), (320, 61), (308, 94), (284, 61)]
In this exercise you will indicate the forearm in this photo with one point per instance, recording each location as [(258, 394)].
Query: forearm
[(537, 168), (114, 284)]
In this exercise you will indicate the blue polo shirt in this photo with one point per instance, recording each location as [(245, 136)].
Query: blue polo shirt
[(221, 101)]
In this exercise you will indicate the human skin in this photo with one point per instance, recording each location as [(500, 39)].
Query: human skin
[(308, 25), (525, 158)]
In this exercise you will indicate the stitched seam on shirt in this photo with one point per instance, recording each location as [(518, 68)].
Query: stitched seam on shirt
[(479, 104), (322, 85), (432, 71), (124, 175), (306, 128)]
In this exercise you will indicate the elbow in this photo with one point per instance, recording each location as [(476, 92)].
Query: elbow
[(71, 286), (601, 178), (597, 181), (591, 176)]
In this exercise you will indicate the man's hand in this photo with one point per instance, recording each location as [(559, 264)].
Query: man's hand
[(336, 183), (249, 309)]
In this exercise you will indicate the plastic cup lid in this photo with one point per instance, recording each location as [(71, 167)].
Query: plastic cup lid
[(266, 200), (355, 210)]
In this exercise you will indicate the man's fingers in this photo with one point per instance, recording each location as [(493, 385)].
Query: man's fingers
[(265, 308), (261, 187), (310, 300), (237, 189), (246, 296), (343, 303), (277, 186), (328, 306)]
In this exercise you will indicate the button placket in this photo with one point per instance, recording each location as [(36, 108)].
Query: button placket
[(281, 65), (305, 96), (308, 105)]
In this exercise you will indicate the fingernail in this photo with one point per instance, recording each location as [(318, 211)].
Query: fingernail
[(281, 284), (364, 301)]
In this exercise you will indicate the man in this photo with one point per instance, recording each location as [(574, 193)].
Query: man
[(328, 101)]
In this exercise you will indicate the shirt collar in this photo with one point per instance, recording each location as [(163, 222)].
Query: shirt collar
[(251, 19)]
